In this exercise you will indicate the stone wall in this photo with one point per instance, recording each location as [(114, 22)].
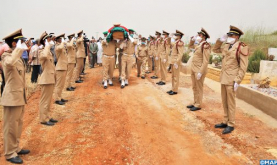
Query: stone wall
[(214, 74)]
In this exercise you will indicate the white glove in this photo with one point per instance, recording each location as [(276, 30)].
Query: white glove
[(198, 76), (51, 42), (157, 58), (41, 46), (164, 60), (176, 65), (224, 38), (236, 86), (18, 44), (131, 39), (46, 43), (117, 40), (194, 37), (63, 40)]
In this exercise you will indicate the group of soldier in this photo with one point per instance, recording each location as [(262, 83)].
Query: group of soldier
[(70, 62), (160, 51)]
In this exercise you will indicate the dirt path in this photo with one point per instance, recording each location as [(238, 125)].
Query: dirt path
[(140, 124)]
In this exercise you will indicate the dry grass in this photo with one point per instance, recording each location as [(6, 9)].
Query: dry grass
[(259, 38)]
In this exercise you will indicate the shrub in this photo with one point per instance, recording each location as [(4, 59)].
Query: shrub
[(185, 58), (211, 59), (254, 61)]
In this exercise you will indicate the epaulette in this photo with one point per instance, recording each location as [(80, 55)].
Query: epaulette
[(243, 44), (180, 43), (207, 45)]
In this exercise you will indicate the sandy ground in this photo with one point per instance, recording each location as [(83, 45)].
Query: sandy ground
[(141, 124)]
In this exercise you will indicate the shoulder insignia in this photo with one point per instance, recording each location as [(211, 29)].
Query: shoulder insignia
[(207, 45), (181, 43), (243, 44)]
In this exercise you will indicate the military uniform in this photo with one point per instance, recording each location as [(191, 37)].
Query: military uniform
[(71, 55), (109, 50), (176, 57), (157, 54), (199, 68), (61, 69), (151, 47), (234, 66), (47, 81), (127, 58), (81, 55), (13, 97), (164, 53), (142, 56)]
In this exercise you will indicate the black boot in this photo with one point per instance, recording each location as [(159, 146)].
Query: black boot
[(15, 160)]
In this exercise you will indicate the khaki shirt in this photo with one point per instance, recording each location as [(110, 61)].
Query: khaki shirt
[(80, 48), (151, 48), (201, 57), (71, 52), (231, 70), (129, 47), (142, 51), (165, 48), (109, 49), (34, 55), (47, 66), (61, 55), (14, 93), (158, 47), (177, 52)]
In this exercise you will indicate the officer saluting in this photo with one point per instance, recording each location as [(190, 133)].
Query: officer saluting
[(61, 69), (164, 53), (14, 96), (47, 79), (71, 55), (156, 53), (234, 65), (199, 66), (176, 57)]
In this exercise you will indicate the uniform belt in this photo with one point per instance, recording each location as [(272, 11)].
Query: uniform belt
[(125, 54), (112, 56)]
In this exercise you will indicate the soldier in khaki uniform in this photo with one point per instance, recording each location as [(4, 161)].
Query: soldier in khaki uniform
[(151, 47), (80, 56), (176, 57), (108, 60), (142, 56), (61, 69), (47, 80), (164, 51), (71, 56), (14, 96), (234, 65), (199, 66), (127, 60), (157, 55)]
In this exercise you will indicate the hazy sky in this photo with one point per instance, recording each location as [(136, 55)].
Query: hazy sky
[(145, 16)]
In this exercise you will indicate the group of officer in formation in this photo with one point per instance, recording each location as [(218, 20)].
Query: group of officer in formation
[(70, 62)]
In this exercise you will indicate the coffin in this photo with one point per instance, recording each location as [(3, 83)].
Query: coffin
[(118, 35)]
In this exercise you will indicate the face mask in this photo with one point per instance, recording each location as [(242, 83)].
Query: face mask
[(198, 39), (143, 43), (231, 40)]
